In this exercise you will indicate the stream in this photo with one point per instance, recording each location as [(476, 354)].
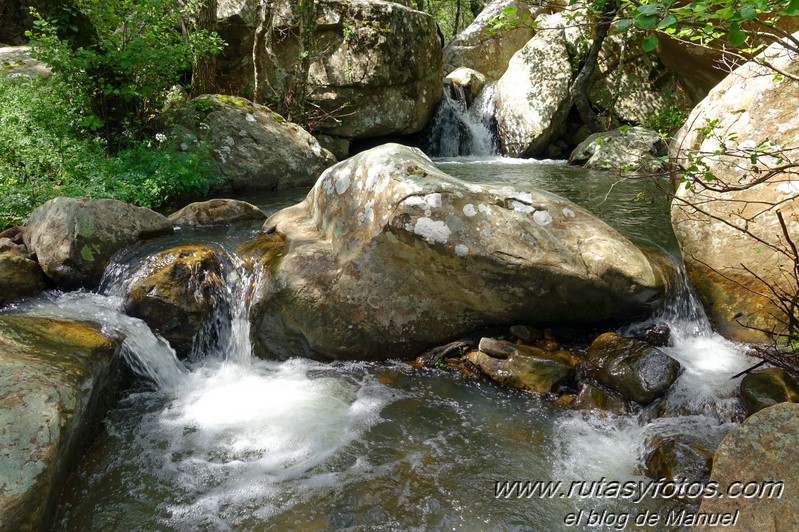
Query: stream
[(232, 442)]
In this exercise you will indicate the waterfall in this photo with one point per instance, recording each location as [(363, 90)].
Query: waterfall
[(461, 129)]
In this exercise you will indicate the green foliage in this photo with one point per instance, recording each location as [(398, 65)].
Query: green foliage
[(47, 149), (125, 58), (666, 121)]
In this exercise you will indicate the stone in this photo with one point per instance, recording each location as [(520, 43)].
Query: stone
[(678, 457), (338, 146), (533, 97), (637, 371), (19, 61), (57, 380), (255, 148), (756, 461), (523, 367), (376, 71), (216, 212), (594, 398), (723, 233), (75, 238), (480, 48), (766, 387), (388, 256), (176, 292), (471, 81), (524, 333), (20, 277), (639, 91), (634, 150), (657, 335)]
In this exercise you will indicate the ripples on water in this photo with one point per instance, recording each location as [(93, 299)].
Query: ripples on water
[(233, 443)]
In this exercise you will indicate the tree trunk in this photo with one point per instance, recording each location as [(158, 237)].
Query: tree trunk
[(581, 82), (259, 45), (307, 12), (204, 72)]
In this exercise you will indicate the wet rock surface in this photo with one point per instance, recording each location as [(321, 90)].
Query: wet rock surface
[(216, 212), (57, 379), (766, 387), (638, 371)]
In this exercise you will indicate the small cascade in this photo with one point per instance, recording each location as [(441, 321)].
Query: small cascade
[(459, 129)]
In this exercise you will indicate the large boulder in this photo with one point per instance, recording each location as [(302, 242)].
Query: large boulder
[(387, 256), (255, 148), (488, 50), (177, 292), (75, 238), (727, 227), (638, 371), (753, 472), (533, 97), (57, 379), (376, 69)]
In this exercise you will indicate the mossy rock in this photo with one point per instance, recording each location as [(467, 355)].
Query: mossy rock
[(766, 387), (57, 380)]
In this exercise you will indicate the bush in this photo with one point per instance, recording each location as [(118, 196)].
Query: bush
[(48, 149)]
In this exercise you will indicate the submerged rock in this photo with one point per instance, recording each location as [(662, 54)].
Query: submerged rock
[(766, 387), (57, 379), (216, 212), (254, 147), (757, 460), (638, 371), (523, 367), (388, 256), (176, 292), (75, 238)]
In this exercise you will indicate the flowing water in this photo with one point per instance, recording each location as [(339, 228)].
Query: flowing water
[(231, 442), (462, 129)]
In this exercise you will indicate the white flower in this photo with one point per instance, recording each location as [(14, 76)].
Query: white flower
[(160, 137)]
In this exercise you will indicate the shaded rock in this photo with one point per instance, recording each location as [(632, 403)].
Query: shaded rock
[(752, 106), (678, 457), (525, 334), (533, 97), (57, 379), (656, 335), (594, 398), (639, 91), (766, 387), (18, 61), (759, 456), (19, 277), (254, 147), (216, 212), (471, 81), (638, 371), (338, 146), (74, 238), (487, 51), (523, 367), (628, 150), (376, 70), (388, 256), (176, 292)]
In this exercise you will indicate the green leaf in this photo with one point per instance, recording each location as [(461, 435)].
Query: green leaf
[(748, 12), (648, 9), (649, 22), (792, 9), (649, 44), (669, 20), (736, 37)]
